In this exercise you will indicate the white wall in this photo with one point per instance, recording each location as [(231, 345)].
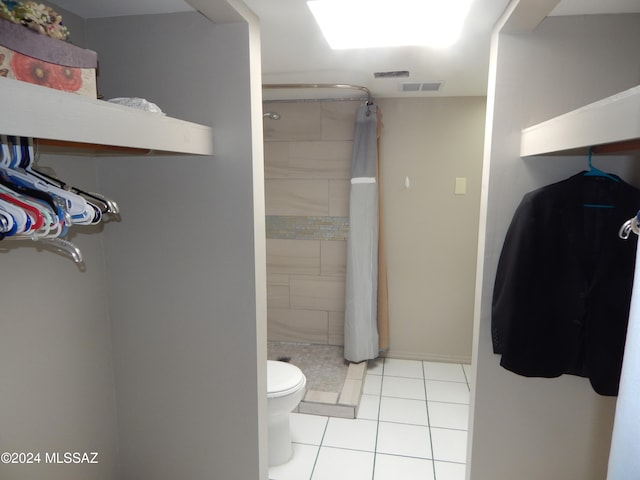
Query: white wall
[(184, 289), (154, 356), (431, 233), (56, 368), (56, 372), (532, 428)]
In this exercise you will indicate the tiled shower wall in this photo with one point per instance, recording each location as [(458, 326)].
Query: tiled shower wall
[(307, 172)]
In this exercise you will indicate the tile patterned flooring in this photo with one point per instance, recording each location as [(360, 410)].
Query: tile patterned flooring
[(411, 424)]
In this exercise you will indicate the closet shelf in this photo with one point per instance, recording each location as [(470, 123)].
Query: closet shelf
[(68, 122), (610, 125)]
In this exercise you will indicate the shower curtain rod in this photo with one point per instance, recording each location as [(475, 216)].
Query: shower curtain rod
[(285, 86)]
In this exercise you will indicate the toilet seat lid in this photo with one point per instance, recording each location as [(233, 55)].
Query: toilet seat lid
[(283, 378)]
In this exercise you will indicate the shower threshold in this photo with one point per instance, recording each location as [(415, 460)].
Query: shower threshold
[(343, 404), (334, 386)]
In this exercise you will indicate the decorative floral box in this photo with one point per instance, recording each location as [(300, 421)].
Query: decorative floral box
[(35, 58)]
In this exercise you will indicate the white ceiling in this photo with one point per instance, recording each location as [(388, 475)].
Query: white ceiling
[(294, 51)]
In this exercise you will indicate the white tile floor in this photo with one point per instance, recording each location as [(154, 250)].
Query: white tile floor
[(412, 424)]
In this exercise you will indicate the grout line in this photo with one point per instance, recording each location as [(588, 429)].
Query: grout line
[(426, 401), (375, 448), (315, 462), (355, 450), (419, 425), (449, 461), (466, 378), (446, 381), (448, 403)]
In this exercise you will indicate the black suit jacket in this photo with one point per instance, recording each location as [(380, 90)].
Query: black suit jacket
[(563, 286)]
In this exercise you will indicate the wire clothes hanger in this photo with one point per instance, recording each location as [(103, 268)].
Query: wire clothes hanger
[(108, 206), (39, 207), (631, 225)]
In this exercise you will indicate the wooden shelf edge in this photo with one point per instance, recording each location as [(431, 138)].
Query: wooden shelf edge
[(45, 145), (618, 148), (47, 114), (611, 125)]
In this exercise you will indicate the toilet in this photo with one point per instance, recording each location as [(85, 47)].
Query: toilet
[(285, 389)]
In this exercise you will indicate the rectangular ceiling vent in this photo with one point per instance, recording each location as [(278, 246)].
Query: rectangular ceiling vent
[(421, 87), (393, 74), (410, 87)]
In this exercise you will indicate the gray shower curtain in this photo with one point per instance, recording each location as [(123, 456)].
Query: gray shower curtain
[(361, 309)]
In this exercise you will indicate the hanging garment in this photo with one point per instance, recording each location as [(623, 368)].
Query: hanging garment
[(360, 323), (563, 285)]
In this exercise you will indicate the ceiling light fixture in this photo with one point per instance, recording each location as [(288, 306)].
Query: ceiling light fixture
[(389, 23)]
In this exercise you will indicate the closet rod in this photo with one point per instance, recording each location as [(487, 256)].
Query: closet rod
[(287, 86)]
